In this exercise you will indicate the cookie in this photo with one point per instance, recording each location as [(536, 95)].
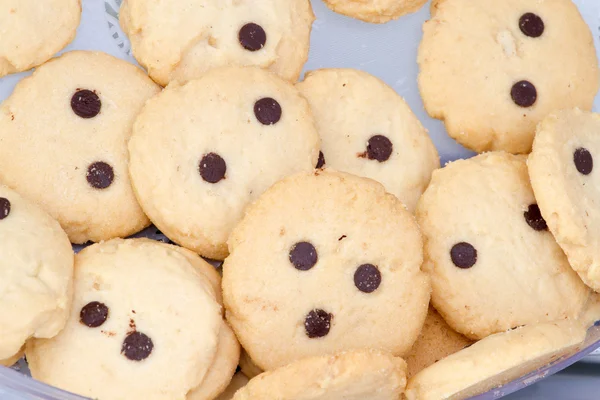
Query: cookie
[(368, 130), (9, 362), (487, 68), (220, 373), (436, 341), (375, 11), (179, 40), (352, 375), (63, 142), (567, 185), (492, 261), (495, 360), (201, 152), (32, 34), (324, 262), (239, 381), (124, 338), (248, 367), (36, 275), (591, 313)]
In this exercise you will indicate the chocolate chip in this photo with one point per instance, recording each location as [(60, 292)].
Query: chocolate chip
[(137, 346), (100, 175), (321, 162), (524, 94), (267, 111), (367, 278), (93, 314), (531, 25), (534, 218), (584, 162), (4, 207), (212, 168), (252, 37), (317, 323), (303, 256), (86, 103), (379, 148), (463, 255)]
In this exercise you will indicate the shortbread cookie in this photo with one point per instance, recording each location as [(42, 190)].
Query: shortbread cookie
[(324, 262), (493, 263), (32, 33), (436, 341), (375, 11), (201, 152), (495, 360), (179, 40), (567, 185), (36, 275), (145, 322), (63, 135), (225, 362), (368, 130), (353, 375), (485, 68), (239, 381)]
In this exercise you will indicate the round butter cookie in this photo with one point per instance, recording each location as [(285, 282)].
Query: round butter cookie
[(324, 262), (375, 11), (492, 261), (488, 68), (63, 143), (179, 40)]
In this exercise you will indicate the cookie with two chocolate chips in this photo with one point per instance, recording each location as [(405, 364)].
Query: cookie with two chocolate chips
[(201, 152), (162, 346), (63, 136), (323, 262)]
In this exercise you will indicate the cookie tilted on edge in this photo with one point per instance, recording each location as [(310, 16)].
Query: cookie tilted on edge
[(63, 142), (145, 322), (36, 275), (324, 262), (352, 375), (375, 11), (475, 370), (182, 39), (492, 261), (32, 32), (488, 68), (565, 175), (367, 129), (201, 152)]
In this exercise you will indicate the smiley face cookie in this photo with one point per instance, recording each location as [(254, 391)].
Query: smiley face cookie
[(368, 130), (352, 375), (203, 151), (162, 346), (495, 360), (323, 262), (63, 142), (565, 175), (436, 341), (487, 68), (36, 275), (32, 33), (376, 11), (492, 261), (181, 39)]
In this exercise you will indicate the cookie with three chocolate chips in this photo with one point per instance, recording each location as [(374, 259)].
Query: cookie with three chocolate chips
[(493, 263), (63, 142), (323, 262), (201, 152), (179, 40), (564, 168)]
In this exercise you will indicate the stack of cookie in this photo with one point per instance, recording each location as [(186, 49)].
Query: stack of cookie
[(353, 266)]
